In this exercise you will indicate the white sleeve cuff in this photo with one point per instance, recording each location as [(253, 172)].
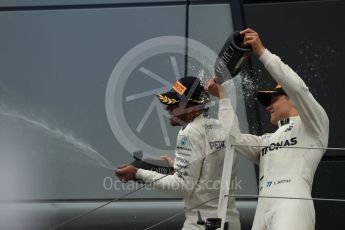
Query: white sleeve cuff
[(140, 174), (266, 57), (225, 103)]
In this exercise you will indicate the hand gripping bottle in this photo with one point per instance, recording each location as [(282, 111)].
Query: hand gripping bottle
[(152, 164), (232, 56)]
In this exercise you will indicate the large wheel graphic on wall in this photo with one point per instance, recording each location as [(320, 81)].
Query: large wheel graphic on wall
[(117, 98)]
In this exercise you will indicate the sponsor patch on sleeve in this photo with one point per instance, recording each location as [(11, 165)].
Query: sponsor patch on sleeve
[(216, 145)]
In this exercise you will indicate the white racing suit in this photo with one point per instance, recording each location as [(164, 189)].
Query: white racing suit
[(284, 172), (199, 158)]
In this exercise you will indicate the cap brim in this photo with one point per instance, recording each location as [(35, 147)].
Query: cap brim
[(265, 97), (171, 98), (168, 98)]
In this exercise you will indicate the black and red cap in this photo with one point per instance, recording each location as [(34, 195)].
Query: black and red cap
[(186, 89)]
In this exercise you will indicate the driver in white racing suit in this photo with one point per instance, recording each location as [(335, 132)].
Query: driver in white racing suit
[(284, 172), (199, 156)]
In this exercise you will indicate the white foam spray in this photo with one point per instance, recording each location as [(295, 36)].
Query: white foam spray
[(79, 145)]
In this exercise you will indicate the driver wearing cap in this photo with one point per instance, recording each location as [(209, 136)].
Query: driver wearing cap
[(199, 156), (284, 171)]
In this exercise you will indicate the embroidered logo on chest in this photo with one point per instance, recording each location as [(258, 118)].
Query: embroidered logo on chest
[(277, 145)]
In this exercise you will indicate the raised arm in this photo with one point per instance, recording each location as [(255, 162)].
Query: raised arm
[(229, 120), (312, 114)]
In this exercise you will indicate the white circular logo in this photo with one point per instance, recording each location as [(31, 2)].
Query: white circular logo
[(130, 132)]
